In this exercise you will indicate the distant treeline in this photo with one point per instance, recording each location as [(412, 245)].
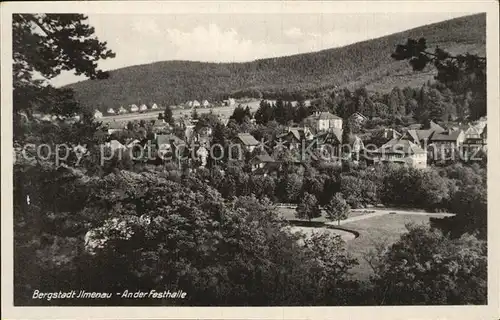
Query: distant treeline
[(294, 77)]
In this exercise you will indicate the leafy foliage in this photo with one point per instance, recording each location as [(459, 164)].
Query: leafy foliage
[(461, 73), (48, 44), (426, 268), (308, 207), (337, 208)]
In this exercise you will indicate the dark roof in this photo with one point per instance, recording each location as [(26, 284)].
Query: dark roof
[(415, 126), (446, 135), (436, 127), (247, 139), (358, 115), (323, 116), (116, 125), (298, 133), (419, 135), (263, 158), (398, 145), (163, 139), (335, 134)]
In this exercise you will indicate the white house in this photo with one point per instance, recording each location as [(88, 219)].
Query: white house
[(196, 103), (401, 151), (122, 110), (202, 154), (97, 114), (134, 108), (323, 121), (205, 103), (229, 102), (115, 145), (111, 111), (154, 106), (143, 108)]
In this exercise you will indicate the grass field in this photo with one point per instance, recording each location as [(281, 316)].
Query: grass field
[(383, 229), (289, 214)]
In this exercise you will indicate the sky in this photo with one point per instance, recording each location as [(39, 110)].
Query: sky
[(146, 38)]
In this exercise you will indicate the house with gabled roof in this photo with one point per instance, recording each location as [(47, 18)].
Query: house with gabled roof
[(294, 137), (168, 144), (97, 114), (122, 110), (329, 144), (443, 145), (247, 141), (261, 160), (196, 104), (111, 111), (115, 145), (358, 118), (143, 108), (205, 103), (115, 126), (134, 108), (401, 151), (323, 121), (154, 106)]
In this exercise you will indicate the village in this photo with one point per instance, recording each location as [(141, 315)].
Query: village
[(321, 132), (354, 175)]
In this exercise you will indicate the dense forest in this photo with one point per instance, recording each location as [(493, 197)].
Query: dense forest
[(364, 64)]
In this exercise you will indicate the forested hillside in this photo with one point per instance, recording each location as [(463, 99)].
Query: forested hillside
[(364, 64)]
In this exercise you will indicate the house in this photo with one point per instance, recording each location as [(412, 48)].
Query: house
[(160, 126), (401, 151), (247, 141), (115, 126), (143, 108), (229, 102), (111, 111), (154, 106), (115, 145), (474, 140), (189, 104), (132, 143), (436, 127), (358, 118), (418, 136), (196, 104), (134, 108), (261, 161), (97, 114), (205, 104), (323, 121), (294, 137), (122, 110), (168, 143), (444, 144), (202, 155), (205, 131), (329, 143), (389, 134), (79, 149), (415, 126)]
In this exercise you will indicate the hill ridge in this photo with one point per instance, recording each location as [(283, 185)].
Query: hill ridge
[(366, 63)]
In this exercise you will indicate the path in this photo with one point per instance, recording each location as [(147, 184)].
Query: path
[(378, 213), (357, 218)]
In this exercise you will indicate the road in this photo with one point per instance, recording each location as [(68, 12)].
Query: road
[(224, 111)]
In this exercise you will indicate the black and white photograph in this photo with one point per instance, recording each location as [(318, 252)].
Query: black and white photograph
[(267, 155)]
